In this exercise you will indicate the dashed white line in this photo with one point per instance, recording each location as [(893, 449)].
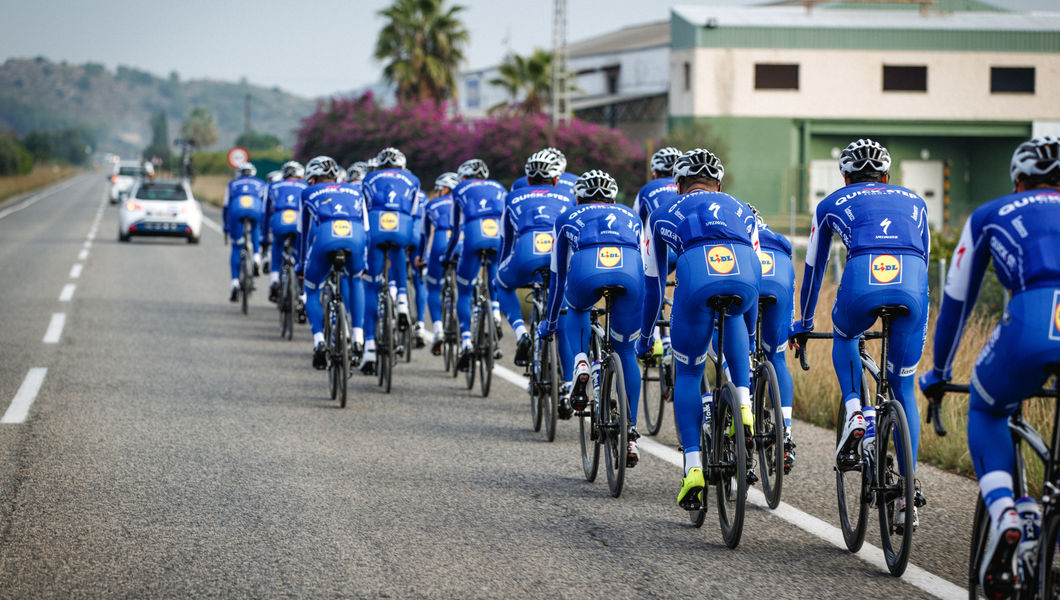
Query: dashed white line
[(28, 202), (24, 397), (68, 292), (914, 575), (55, 328), (82, 255), (75, 271)]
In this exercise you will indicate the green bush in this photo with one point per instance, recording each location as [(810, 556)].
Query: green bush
[(216, 163), (14, 159)]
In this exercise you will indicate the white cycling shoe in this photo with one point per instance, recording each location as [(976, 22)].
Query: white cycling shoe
[(997, 572), (900, 511), (853, 431)]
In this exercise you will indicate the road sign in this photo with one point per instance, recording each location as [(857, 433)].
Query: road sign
[(237, 157)]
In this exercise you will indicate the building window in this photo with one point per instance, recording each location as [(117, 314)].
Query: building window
[(776, 77), (688, 76), (904, 79), (1015, 80)]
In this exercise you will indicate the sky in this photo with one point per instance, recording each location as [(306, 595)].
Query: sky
[(311, 48)]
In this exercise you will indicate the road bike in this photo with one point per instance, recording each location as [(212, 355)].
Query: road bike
[(246, 265), (450, 323), (387, 343), (871, 474), (337, 331), (483, 328), (286, 303), (768, 433), (543, 370), (654, 405)]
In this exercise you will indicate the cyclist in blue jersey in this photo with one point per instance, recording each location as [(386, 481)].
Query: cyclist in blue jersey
[(418, 281), (283, 204), (657, 192), (478, 204), (597, 245), (885, 230), (243, 200), (437, 227), (390, 194), (565, 185), (778, 281), (334, 218), (530, 215), (715, 237), (355, 173), (1020, 234)]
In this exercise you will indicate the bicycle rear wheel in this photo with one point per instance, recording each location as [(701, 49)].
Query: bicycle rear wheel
[(550, 387), (730, 454), (244, 282), (589, 438), (614, 423), (653, 404), (895, 455), (469, 375), (980, 532), (342, 350), (406, 344), (699, 516), (287, 305), (329, 329), (385, 360), (1048, 558), (769, 433), (852, 484), (487, 332), (538, 371)]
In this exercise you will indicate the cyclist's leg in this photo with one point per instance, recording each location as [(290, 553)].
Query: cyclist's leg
[(354, 288), (776, 323), (277, 251), (316, 272), (372, 285), (466, 271), (435, 272), (690, 332), (851, 316), (508, 280), (904, 348)]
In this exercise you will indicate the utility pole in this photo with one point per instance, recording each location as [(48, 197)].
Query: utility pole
[(560, 99), (246, 115)]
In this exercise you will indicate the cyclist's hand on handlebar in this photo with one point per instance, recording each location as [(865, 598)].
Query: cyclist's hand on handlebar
[(798, 334), (645, 347), (933, 387), (545, 329), (419, 262)]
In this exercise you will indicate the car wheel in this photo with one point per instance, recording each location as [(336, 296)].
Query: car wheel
[(193, 239), (123, 237)]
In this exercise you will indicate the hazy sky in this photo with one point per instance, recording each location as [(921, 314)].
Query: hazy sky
[(311, 48)]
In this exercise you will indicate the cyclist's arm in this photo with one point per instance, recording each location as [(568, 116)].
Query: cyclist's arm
[(817, 251), (428, 232), (454, 237), (654, 253), (224, 209), (967, 267), (267, 201), (508, 239), (557, 280), (303, 232)]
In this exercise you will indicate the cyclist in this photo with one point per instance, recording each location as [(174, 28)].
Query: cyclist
[(530, 215), (659, 191), (565, 185), (437, 227), (283, 203), (1018, 233), (333, 218), (778, 280), (243, 200), (390, 194), (418, 282), (478, 204), (598, 245), (715, 237), (355, 173), (885, 230)]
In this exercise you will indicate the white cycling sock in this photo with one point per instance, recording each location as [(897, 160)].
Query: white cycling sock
[(358, 335), (692, 460), (369, 345), (438, 329), (520, 331), (318, 338), (274, 277), (744, 395), (853, 405), (235, 283)]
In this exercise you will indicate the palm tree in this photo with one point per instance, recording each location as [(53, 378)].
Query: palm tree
[(528, 77), (422, 44)]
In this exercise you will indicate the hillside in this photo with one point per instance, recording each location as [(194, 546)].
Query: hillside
[(117, 106)]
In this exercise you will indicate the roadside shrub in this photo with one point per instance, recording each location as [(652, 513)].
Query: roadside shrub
[(14, 159)]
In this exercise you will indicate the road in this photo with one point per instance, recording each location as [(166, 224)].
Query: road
[(176, 448)]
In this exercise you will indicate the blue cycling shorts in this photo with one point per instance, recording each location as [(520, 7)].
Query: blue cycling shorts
[(283, 222), (389, 226), (329, 236), (532, 251)]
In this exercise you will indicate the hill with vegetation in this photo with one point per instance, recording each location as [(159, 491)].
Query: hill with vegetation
[(115, 107)]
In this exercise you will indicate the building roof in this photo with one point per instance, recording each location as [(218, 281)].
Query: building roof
[(627, 38)]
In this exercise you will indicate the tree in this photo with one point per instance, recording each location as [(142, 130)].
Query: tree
[(200, 127), (422, 45), (258, 141), (529, 78), (159, 138)]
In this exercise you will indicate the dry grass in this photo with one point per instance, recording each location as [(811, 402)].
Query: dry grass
[(817, 391), (210, 189), (41, 176)]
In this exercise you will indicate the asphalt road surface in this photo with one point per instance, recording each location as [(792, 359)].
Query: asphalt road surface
[(170, 446)]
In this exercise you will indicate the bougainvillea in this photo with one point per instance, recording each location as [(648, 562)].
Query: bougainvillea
[(434, 141)]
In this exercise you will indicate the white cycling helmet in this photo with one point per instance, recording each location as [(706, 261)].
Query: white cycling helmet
[(357, 171), (664, 158), (274, 176), (1036, 157), (473, 169), (322, 167), (293, 170), (543, 163), (448, 180), (391, 158), (247, 169), (596, 185), (864, 155), (699, 162), (562, 158)]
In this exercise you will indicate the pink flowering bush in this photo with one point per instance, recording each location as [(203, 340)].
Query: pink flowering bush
[(357, 128)]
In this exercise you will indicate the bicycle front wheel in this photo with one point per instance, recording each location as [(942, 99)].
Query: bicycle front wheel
[(329, 339), (730, 455), (894, 457), (980, 533), (614, 423), (653, 404), (769, 433), (487, 332), (550, 387), (245, 282), (342, 350), (852, 484), (589, 440), (699, 516), (287, 306), (476, 325), (1048, 559)]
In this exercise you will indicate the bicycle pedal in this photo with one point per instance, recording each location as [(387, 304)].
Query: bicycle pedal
[(752, 477)]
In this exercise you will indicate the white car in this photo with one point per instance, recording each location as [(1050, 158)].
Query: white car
[(163, 208), (125, 174)]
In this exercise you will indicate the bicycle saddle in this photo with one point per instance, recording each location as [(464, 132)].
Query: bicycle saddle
[(724, 301), (767, 300), (890, 310), (611, 290)]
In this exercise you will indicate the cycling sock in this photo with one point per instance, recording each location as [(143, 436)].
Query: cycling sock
[(358, 335), (257, 258), (274, 277), (853, 405), (438, 329), (692, 460), (786, 411), (496, 312), (520, 331), (235, 283), (744, 395), (318, 338), (369, 345), (996, 488), (465, 341)]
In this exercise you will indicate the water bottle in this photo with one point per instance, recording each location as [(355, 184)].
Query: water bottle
[(708, 416), (1031, 520), (869, 414), (595, 377)]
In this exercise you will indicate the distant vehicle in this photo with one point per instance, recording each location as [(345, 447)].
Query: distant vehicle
[(160, 208), (125, 174)]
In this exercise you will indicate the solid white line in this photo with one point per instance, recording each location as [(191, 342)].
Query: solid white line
[(27, 393), (207, 221), (68, 292), (914, 575), (75, 271), (55, 328), (28, 202), (88, 244), (82, 255)]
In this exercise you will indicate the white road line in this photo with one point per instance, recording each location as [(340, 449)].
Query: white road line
[(207, 221), (82, 255), (55, 328), (75, 271), (68, 292), (88, 244), (914, 575), (28, 202), (27, 393)]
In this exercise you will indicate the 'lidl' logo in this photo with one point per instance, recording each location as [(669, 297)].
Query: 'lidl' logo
[(721, 260), (1056, 318), (341, 228), (885, 268), (609, 257), (489, 227), (289, 216), (246, 201), (542, 242), (388, 221), (767, 263)]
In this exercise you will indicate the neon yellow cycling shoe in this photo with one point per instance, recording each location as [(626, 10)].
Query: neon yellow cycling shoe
[(748, 418), (657, 349), (691, 495)]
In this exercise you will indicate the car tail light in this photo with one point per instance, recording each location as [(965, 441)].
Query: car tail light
[(114, 179), (131, 206), (133, 228)]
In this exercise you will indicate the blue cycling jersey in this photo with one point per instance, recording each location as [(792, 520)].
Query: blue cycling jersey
[(532, 208), (283, 195), (475, 199), (391, 189), (655, 193), (244, 195), (326, 201)]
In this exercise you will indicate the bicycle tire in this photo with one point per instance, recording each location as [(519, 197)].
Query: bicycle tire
[(614, 426), (449, 333), (329, 328), (406, 344), (887, 476), (342, 350), (769, 433), (699, 516), (384, 362), (980, 533), (538, 371), (589, 441), (652, 414), (469, 375), (1048, 571), (730, 455), (244, 282), (291, 294), (550, 393), (488, 338)]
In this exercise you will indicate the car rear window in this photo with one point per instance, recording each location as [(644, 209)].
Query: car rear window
[(162, 192), (131, 171)]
